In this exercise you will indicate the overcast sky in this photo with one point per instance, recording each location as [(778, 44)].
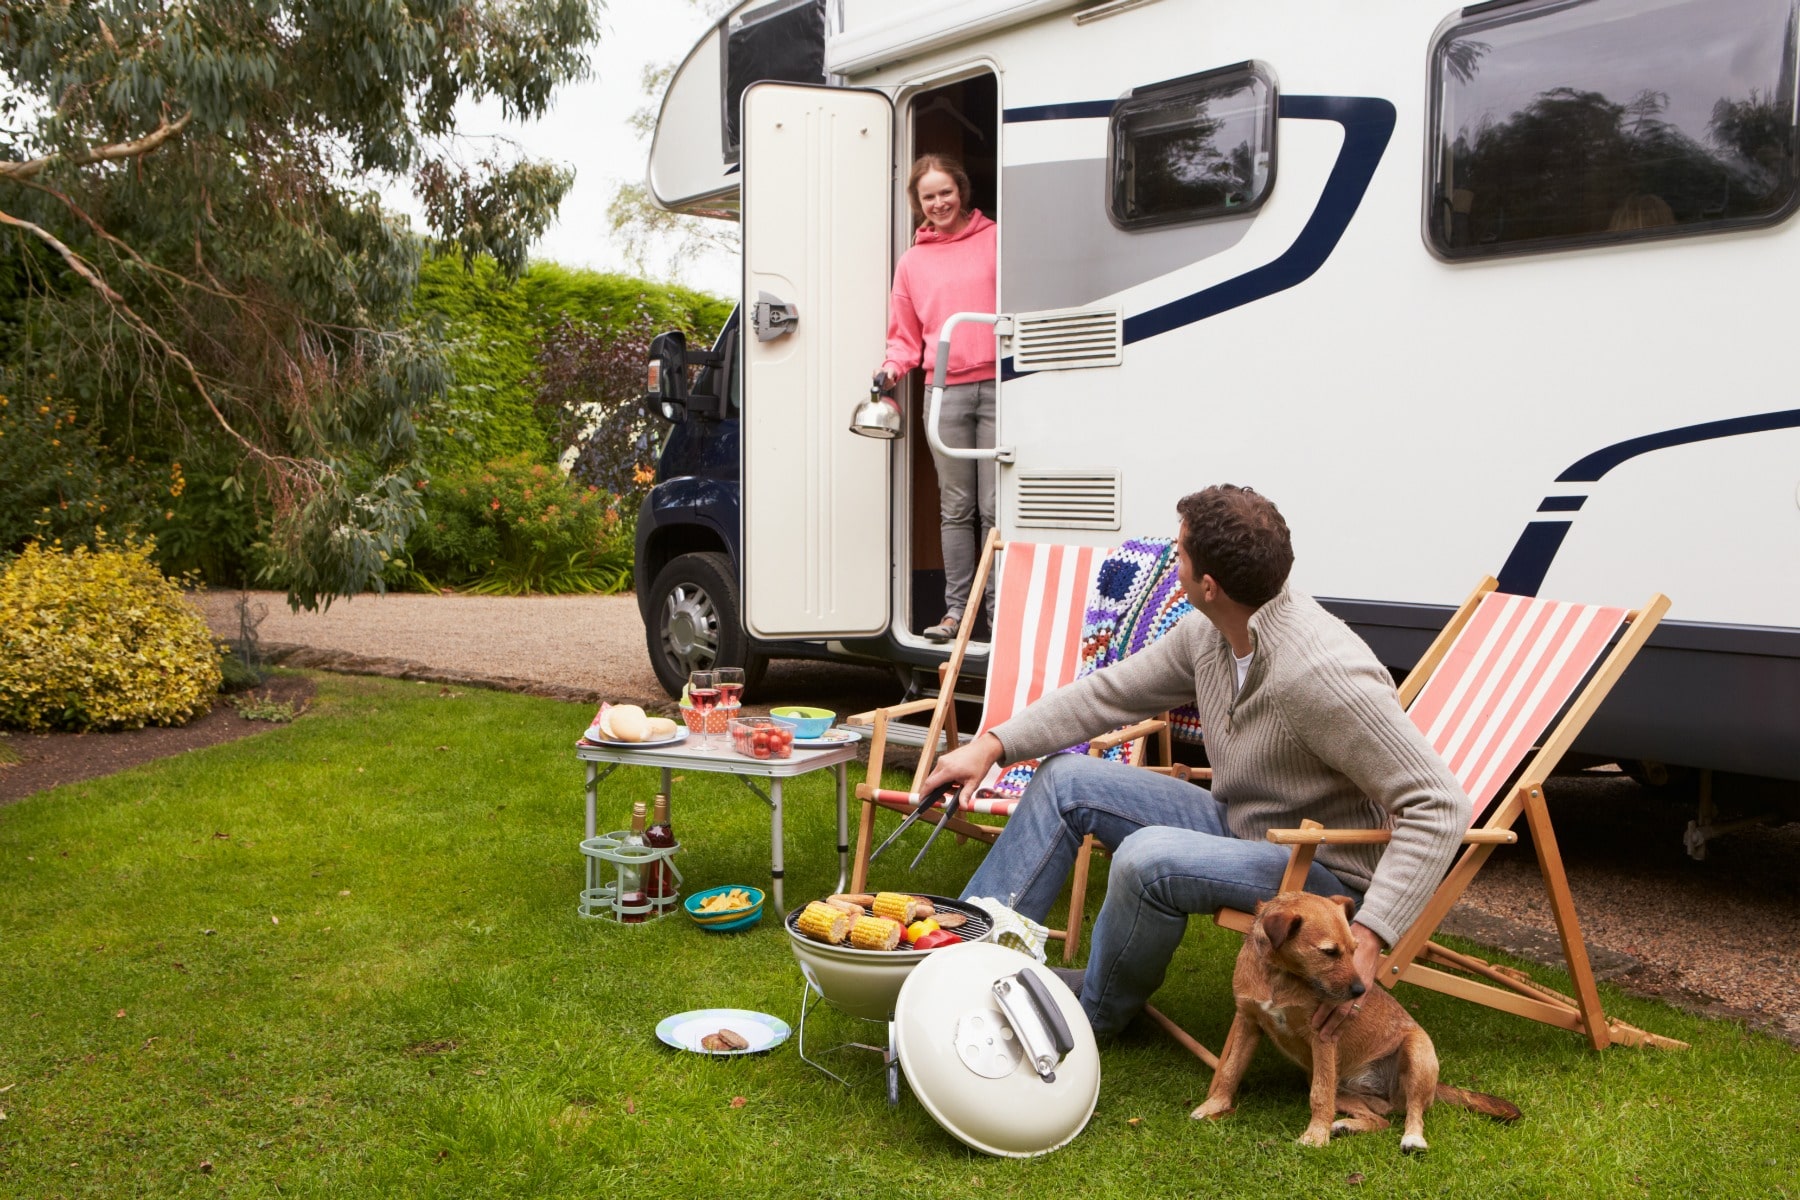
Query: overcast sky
[(587, 129)]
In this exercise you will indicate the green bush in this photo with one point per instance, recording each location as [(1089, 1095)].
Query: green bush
[(100, 639), (514, 526)]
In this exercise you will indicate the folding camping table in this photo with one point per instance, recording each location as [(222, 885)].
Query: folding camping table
[(721, 759)]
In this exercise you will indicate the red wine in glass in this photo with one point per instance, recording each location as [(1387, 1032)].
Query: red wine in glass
[(729, 693), (704, 698)]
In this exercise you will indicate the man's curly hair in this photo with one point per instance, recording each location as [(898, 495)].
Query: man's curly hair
[(1240, 539)]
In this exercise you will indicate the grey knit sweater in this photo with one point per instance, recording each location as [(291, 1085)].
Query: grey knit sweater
[(1317, 731)]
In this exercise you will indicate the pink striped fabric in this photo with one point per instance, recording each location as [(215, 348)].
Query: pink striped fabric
[(1040, 599), (1509, 672)]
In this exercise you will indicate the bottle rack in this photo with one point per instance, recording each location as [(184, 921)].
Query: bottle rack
[(607, 858)]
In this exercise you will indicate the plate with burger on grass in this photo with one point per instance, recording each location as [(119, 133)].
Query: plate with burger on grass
[(629, 725)]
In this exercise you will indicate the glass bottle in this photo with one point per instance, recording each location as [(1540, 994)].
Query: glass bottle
[(659, 880), (631, 875)]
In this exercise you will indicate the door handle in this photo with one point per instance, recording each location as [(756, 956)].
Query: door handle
[(772, 317), (1002, 328)]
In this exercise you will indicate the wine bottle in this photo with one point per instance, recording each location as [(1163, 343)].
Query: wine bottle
[(659, 880), (631, 876)]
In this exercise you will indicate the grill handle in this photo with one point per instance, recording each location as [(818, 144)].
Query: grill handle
[(1027, 1005)]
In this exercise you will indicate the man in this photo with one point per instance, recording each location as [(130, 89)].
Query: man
[(1301, 721)]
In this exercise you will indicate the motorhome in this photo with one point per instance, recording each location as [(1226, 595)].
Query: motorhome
[(1498, 290)]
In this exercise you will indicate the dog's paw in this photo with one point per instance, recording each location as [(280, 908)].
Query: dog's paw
[(1212, 1110), (1316, 1135), (1344, 1129), (1413, 1143)]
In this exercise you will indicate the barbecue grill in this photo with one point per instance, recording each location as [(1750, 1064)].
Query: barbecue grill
[(866, 983)]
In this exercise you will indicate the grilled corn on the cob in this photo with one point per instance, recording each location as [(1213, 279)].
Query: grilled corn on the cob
[(823, 923), (874, 933), (896, 906)]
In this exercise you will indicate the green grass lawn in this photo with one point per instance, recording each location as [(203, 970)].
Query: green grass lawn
[(343, 958)]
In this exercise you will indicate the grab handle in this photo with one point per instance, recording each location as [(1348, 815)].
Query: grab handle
[(1002, 328)]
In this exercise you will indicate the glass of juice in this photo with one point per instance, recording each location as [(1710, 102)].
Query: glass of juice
[(703, 694), (731, 688)]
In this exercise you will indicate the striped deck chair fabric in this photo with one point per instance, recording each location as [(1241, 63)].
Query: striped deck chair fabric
[(1502, 682), (1039, 605)]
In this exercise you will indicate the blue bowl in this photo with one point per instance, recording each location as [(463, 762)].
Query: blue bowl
[(728, 919), (808, 723)]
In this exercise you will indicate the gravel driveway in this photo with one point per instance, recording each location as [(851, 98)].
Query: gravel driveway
[(1721, 936)]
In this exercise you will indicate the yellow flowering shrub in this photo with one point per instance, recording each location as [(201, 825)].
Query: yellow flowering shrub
[(100, 639)]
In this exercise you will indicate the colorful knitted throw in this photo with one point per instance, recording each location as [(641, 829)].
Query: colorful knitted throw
[(1137, 597)]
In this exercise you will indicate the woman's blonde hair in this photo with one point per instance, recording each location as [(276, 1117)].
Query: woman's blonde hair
[(935, 162)]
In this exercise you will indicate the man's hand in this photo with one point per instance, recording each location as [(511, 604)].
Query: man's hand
[(966, 766), (1368, 953)]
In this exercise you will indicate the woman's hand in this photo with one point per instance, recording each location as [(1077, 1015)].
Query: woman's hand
[(883, 381)]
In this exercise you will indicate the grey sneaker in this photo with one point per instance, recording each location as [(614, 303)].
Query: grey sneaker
[(943, 631)]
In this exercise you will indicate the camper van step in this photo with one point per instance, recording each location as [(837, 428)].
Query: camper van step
[(901, 734)]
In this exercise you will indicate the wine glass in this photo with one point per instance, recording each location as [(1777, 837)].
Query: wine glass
[(703, 693), (730, 681)]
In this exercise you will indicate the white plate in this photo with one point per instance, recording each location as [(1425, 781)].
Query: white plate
[(832, 737), (593, 735), (684, 1030)]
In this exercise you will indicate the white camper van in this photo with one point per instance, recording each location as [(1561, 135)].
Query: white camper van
[(1498, 290)]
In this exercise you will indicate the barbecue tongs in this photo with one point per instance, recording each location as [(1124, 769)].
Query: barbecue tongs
[(951, 795)]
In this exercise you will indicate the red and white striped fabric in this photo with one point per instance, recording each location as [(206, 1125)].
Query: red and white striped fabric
[(1040, 601), (1507, 675)]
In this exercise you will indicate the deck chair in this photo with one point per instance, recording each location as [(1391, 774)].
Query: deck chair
[(1041, 596), (1487, 690)]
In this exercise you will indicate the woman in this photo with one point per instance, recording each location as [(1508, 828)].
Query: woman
[(950, 269)]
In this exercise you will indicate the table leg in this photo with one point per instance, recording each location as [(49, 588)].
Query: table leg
[(775, 863), (843, 799), (592, 774)]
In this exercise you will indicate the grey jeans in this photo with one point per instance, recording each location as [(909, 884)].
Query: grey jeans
[(965, 489)]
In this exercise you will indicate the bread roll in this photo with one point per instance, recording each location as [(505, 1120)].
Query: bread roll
[(662, 727), (627, 723)]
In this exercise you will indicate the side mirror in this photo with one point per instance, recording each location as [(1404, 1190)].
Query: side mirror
[(665, 381)]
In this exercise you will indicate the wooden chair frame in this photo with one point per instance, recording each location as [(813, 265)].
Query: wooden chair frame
[(943, 731), (1419, 960)]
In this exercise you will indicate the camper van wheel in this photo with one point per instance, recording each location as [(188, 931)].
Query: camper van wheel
[(696, 621)]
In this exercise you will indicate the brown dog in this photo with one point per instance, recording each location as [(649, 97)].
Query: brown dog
[(1296, 957)]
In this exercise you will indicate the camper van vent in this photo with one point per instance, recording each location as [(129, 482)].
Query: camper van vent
[(1068, 500), (1065, 338)]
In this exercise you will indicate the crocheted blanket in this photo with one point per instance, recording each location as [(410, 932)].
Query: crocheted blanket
[(1137, 597)]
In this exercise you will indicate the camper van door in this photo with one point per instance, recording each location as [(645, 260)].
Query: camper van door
[(818, 182)]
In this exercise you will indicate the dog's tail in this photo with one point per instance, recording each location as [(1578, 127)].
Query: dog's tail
[(1481, 1102)]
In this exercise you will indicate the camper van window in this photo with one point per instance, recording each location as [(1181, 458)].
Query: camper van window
[(783, 42), (1557, 125), (1194, 148)]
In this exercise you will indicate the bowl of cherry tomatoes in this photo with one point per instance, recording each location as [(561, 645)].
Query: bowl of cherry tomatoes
[(761, 737)]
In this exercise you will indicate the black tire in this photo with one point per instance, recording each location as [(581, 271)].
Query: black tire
[(696, 621)]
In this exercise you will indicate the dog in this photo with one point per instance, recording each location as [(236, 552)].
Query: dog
[(1298, 956)]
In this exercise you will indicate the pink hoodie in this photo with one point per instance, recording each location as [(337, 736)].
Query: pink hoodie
[(939, 276)]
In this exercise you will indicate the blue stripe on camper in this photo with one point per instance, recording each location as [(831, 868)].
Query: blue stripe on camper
[(1368, 123), (1536, 548), (1076, 111)]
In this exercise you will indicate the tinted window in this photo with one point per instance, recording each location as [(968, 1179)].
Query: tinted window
[(1565, 124), (1193, 148), (783, 42)]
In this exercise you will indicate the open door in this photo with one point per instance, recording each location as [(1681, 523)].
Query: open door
[(818, 182)]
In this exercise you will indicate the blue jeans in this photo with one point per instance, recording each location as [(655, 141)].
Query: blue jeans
[(1172, 855)]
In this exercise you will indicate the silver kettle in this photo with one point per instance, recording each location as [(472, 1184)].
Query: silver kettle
[(878, 417)]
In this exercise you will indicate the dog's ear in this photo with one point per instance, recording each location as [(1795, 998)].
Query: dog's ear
[(1279, 927), (1345, 903)]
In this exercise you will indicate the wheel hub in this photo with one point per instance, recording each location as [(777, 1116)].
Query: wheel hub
[(690, 628)]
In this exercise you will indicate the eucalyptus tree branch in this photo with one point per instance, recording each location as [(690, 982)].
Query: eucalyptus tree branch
[(94, 154)]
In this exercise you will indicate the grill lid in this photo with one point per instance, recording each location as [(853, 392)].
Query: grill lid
[(986, 1059)]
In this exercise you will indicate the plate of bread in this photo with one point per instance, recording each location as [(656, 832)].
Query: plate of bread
[(630, 725)]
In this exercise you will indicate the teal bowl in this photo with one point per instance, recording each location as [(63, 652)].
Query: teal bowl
[(808, 723), (728, 919)]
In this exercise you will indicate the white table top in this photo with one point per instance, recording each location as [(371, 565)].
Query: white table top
[(687, 756)]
